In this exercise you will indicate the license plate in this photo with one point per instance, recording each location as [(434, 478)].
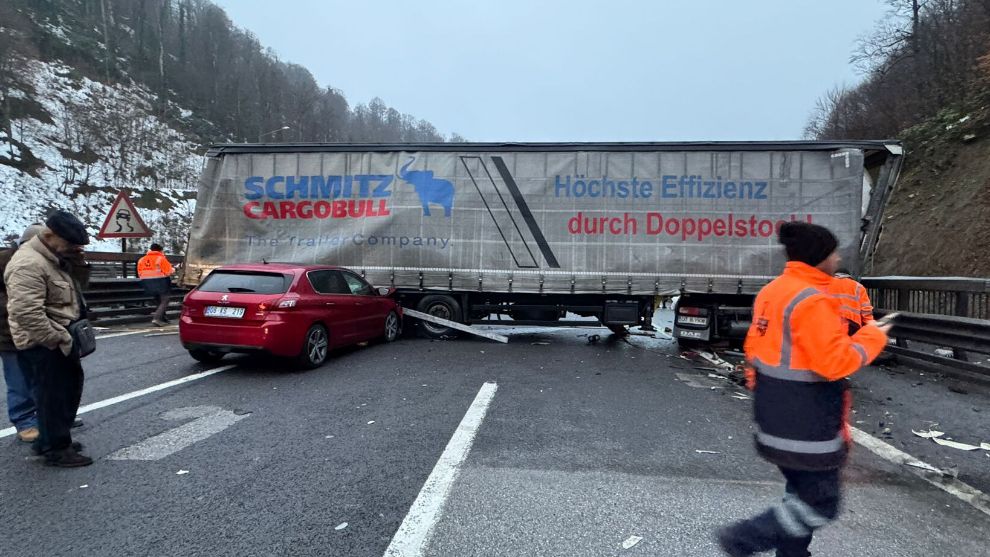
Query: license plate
[(690, 334), (226, 312), (692, 320)]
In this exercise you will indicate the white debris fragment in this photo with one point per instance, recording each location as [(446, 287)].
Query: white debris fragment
[(944, 352), (702, 451), (329, 437), (924, 466), (964, 119), (985, 446), (371, 422), (740, 396), (341, 526), (182, 472), (631, 541), (928, 434), (541, 343), (955, 445), (83, 486)]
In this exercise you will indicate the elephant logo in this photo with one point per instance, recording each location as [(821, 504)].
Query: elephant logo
[(431, 191)]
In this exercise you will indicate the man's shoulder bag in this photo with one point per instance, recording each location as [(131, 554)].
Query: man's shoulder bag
[(83, 334)]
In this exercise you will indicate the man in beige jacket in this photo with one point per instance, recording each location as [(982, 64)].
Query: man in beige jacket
[(43, 299)]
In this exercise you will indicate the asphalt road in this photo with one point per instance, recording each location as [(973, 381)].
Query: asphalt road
[(583, 446)]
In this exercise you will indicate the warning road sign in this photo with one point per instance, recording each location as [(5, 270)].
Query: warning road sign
[(123, 221)]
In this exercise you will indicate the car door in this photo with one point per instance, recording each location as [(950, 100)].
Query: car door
[(336, 305), (371, 316)]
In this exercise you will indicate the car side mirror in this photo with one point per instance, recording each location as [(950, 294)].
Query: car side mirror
[(385, 291)]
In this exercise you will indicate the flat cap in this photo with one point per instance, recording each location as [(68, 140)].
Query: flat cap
[(66, 226)]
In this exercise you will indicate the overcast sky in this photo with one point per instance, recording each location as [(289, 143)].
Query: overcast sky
[(576, 70)]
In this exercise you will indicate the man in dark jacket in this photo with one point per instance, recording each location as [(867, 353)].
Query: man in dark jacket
[(20, 400)]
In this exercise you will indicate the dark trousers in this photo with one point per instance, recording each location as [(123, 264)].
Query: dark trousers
[(58, 386), (162, 300), (811, 500)]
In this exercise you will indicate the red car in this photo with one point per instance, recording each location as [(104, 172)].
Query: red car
[(298, 311)]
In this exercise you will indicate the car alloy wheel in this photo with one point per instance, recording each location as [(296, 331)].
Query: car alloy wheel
[(391, 326), (316, 348)]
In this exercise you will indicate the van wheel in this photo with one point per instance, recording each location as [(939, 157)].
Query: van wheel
[(443, 307), (206, 356), (393, 326), (315, 348)]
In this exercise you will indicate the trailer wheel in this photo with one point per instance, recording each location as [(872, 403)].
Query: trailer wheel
[(618, 330), (440, 306)]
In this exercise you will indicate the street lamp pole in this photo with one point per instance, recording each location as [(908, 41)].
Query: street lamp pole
[(261, 135)]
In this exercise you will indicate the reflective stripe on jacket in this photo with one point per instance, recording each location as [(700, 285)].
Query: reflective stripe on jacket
[(854, 300), (801, 352), (154, 265)]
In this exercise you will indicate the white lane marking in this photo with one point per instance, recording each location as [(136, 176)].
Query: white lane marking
[(129, 333), (111, 401), (414, 532), (961, 490), (209, 420), (162, 334)]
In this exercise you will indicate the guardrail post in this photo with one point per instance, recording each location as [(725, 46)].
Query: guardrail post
[(903, 304), (962, 310)]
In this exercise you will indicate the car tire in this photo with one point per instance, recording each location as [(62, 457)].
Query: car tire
[(316, 347), (393, 326), (206, 356), (439, 306)]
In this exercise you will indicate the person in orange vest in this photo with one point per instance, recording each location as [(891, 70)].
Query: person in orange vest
[(154, 271), (799, 355), (855, 306)]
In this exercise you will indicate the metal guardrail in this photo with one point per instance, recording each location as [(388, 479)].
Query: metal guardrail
[(122, 301), (944, 312), (110, 265)]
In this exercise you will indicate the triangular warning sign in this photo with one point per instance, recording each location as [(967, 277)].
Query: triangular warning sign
[(123, 221)]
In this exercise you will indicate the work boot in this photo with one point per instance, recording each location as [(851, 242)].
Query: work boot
[(67, 458), (157, 323), (77, 423), (730, 543), (28, 434)]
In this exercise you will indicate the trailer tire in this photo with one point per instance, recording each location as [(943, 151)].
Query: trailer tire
[(620, 331), (441, 306)]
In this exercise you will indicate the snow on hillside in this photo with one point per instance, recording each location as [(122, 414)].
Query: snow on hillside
[(90, 141)]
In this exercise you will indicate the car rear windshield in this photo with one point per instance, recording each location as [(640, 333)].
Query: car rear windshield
[(249, 282)]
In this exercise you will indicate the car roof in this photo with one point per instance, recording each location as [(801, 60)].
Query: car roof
[(278, 267)]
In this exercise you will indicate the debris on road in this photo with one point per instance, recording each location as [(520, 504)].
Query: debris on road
[(371, 422), (182, 472), (341, 526), (702, 451), (936, 436), (540, 343), (83, 486), (631, 541), (740, 396), (955, 444)]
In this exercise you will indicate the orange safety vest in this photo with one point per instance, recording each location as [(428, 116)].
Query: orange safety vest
[(801, 352), (154, 265), (854, 300)]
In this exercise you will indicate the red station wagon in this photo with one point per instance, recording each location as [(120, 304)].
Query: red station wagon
[(297, 311)]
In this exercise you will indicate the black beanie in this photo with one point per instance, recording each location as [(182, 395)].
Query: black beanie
[(807, 243), (66, 226)]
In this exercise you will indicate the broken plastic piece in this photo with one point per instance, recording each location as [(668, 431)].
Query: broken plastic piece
[(341, 526), (955, 445), (701, 451), (928, 434), (181, 472), (631, 541)]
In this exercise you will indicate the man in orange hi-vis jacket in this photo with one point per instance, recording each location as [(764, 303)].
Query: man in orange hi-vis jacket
[(854, 301), (800, 352), (154, 271)]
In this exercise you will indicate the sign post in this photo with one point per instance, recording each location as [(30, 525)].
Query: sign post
[(123, 221)]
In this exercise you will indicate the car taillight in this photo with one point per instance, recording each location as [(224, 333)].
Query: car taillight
[(688, 310)]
